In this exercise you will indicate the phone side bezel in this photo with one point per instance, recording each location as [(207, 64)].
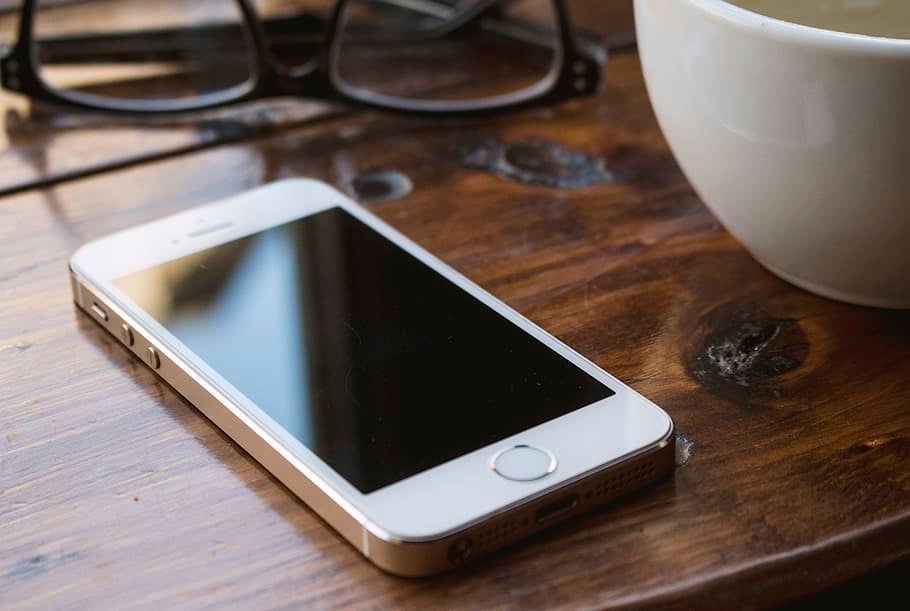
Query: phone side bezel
[(431, 504)]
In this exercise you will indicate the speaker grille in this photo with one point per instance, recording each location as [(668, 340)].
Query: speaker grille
[(615, 485), (517, 526), (501, 532)]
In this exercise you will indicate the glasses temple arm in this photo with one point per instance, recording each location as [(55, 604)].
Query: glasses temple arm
[(163, 44), (483, 14)]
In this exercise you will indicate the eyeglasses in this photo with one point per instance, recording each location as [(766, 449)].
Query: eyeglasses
[(420, 56)]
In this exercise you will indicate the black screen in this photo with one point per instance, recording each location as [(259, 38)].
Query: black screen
[(374, 361)]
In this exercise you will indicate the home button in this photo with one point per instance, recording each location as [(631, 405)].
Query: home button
[(523, 463)]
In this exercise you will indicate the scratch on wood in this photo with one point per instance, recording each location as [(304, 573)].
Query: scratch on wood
[(21, 271), (685, 448), (35, 565), (380, 186), (20, 346), (29, 566), (536, 162), (898, 445), (740, 352)]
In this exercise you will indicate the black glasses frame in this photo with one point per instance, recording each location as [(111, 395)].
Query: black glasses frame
[(578, 72)]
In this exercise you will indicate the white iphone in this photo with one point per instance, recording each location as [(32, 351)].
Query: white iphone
[(426, 421)]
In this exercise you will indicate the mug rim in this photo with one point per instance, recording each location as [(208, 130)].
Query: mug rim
[(788, 31)]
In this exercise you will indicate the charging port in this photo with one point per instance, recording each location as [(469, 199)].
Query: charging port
[(557, 508)]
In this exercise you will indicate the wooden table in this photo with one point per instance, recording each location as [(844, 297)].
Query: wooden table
[(794, 411)]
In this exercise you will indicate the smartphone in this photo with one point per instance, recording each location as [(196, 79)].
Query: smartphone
[(426, 421)]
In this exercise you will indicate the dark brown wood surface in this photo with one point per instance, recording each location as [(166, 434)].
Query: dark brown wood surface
[(794, 410)]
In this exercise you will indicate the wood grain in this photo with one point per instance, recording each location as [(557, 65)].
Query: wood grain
[(114, 492), (44, 145)]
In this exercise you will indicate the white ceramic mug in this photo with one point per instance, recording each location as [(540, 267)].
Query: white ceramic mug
[(797, 138)]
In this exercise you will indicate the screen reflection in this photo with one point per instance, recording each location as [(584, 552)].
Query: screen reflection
[(375, 362)]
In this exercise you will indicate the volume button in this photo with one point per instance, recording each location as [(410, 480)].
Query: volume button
[(151, 356), (126, 334)]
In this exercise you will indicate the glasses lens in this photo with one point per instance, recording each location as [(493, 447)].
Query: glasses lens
[(447, 55), (144, 54), (294, 29)]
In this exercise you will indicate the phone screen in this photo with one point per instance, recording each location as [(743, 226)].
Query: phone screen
[(371, 359)]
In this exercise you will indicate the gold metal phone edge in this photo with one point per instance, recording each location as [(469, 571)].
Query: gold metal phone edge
[(392, 554)]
